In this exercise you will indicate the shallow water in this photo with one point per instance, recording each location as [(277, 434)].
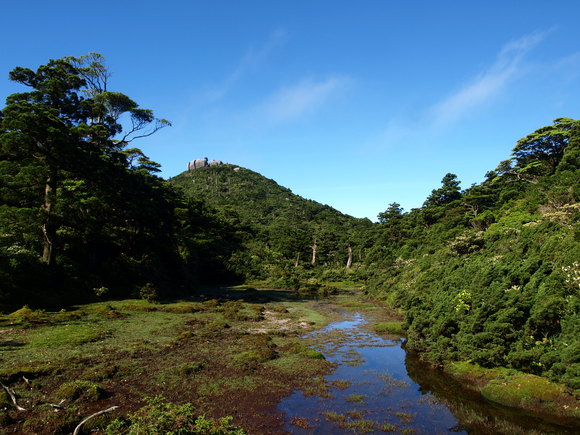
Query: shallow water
[(378, 387)]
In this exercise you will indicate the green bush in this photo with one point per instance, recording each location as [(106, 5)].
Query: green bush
[(162, 417), (150, 293)]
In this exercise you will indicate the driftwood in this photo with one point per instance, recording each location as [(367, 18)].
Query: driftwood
[(96, 414), (13, 397), (27, 381)]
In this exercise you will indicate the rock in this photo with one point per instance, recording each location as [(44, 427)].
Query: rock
[(202, 163), (195, 164)]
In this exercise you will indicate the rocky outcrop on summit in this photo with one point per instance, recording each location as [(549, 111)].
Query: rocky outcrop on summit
[(202, 163), (195, 164)]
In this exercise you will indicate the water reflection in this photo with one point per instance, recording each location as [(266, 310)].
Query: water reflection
[(370, 391), (377, 388)]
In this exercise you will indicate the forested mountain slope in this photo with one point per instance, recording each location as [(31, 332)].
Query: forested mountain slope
[(282, 231)]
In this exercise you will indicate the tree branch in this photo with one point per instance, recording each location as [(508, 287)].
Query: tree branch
[(13, 397), (96, 414)]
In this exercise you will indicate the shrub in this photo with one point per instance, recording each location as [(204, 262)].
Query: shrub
[(162, 417), (150, 293)]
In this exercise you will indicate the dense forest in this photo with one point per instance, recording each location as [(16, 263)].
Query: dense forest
[(488, 274), (82, 213), (287, 239)]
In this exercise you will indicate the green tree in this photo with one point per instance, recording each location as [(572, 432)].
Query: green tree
[(545, 146), (391, 214), (448, 192), (65, 125)]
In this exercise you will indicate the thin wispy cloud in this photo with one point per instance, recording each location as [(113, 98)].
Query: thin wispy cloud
[(305, 97), (484, 88), (487, 85), (251, 60)]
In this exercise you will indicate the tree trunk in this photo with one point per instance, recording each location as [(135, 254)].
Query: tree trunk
[(47, 227), (297, 262), (475, 210), (314, 252), (349, 261)]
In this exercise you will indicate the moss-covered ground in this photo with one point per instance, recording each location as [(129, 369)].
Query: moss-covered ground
[(236, 353), (514, 389)]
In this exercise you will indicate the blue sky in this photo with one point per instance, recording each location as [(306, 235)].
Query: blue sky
[(352, 104)]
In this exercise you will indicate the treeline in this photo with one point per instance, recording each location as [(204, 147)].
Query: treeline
[(491, 274), (82, 213)]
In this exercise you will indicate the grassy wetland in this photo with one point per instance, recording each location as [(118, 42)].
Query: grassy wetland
[(233, 356), (247, 361)]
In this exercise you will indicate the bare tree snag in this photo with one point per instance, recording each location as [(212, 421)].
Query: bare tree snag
[(47, 231), (349, 261), (314, 252), (96, 414)]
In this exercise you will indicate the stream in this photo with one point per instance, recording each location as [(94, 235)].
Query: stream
[(377, 387)]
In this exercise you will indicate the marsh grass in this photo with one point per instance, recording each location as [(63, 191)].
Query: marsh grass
[(296, 364), (218, 387), (341, 384), (24, 316), (353, 358), (45, 420), (334, 417), (395, 328), (359, 426), (388, 427), (99, 372), (317, 387), (523, 390), (390, 383), (357, 304), (183, 307), (79, 391), (312, 317), (66, 335), (355, 414), (301, 422), (405, 417), (198, 351), (518, 390), (356, 398)]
